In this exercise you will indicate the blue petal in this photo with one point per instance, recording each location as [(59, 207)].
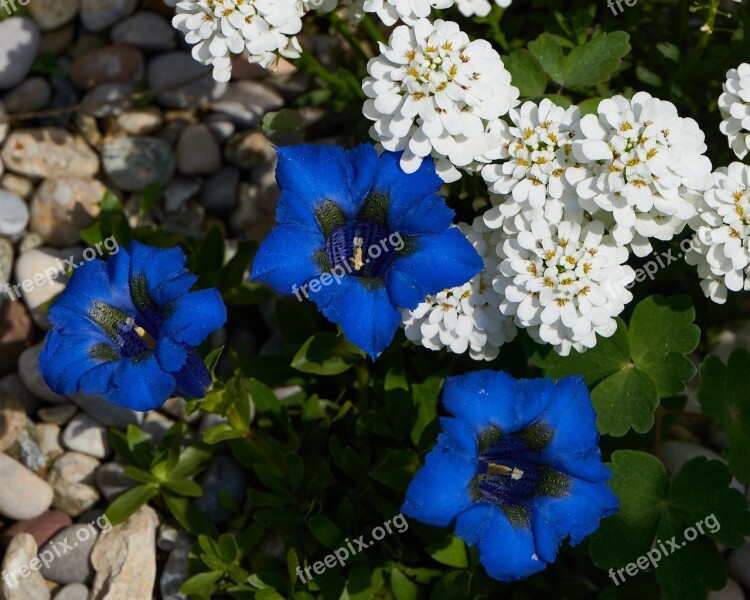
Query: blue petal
[(437, 262), (138, 384), (414, 206), (285, 258), (170, 354), (194, 379), (318, 173), (365, 313), (441, 489), (163, 270), (576, 514), (191, 318), (507, 553), (65, 358)]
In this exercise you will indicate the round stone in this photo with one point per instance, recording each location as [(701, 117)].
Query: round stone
[(19, 44), (111, 64), (132, 163), (23, 495), (51, 14), (98, 15), (63, 206), (145, 30), (48, 152), (14, 215)]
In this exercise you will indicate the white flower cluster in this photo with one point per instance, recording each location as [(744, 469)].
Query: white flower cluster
[(722, 247), (563, 282), (466, 317), (734, 105), (433, 92), (410, 11), (220, 29)]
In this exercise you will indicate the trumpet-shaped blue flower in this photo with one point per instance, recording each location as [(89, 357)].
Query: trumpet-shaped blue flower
[(517, 470), (127, 330), (361, 238)]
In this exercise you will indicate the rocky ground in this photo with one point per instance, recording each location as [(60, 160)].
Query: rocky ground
[(92, 97)]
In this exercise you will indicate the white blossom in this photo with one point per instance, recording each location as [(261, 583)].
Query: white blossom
[(221, 29), (642, 163), (480, 8), (734, 105), (408, 11), (563, 282), (468, 317), (434, 92), (722, 245), (530, 164)]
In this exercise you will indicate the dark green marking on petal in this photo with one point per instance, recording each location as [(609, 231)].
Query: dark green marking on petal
[(139, 294), (411, 245), (537, 436), (329, 216), (104, 353), (372, 283), (321, 259), (109, 318), (552, 483), (517, 515), (375, 208), (489, 437)]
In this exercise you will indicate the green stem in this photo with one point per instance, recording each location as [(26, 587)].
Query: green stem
[(372, 30), (363, 382), (311, 65), (342, 28)]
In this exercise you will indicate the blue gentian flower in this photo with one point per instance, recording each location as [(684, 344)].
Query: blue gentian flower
[(127, 330), (361, 238), (517, 469)]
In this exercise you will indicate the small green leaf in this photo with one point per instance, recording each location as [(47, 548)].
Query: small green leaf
[(326, 531), (128, 503), (402, 587), (724, 394), (450, 551), (547, 50), (184, 487), (202, 583), (526, 73), (397, 469), (597, 60), (625, 400), (453, 586), (263, 397), (221, 433), (326, 354), (189, 516)]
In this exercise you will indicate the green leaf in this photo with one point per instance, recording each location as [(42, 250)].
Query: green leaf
[(212, 360), (128, 503), (683, 518), (184, 487), (221, 433), (189, 516), (397, 469), (450, 551), (724, 395), (149, 197), (526, 73), (425, 398), (589, 106), (547, 50), (402, 587), (326, 354), (453, 586), (263, 397), (326, 531), (625, 400), (597, 60), (202, 583)]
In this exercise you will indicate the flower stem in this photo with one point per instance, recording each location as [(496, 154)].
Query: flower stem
[(363, 382), (342, 28), (372, 30)]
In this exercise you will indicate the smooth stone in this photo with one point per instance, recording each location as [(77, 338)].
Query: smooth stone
[(220, 191), (174, 574), (85, 435), (246, 102), (16, 331), (4, 129), (31, 94), (98, 15), (175, 407), (74, 566), (108, 100), (63, 206), (49, 152), (57, 415), (20, 552), (249, 149), (174, 68), (223, 475), (111, 480), (125, 558), (141, 121), (134, 163), (110, 64), (738, 564), (180, 191), (170, 537), (19, 44), (12, 420), (28, 450), (20, 186), (44, 271), (23, 495), (145, 30), (72, 477), (57, 41), (105, 413), (155, 425), (198, 152), (14, 215), (6, 267), (731, 591), (74, 591), (220, 126), (51, 14), (42, 528), (676, 453), (49, 440), (13, 385), (28, 369)]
